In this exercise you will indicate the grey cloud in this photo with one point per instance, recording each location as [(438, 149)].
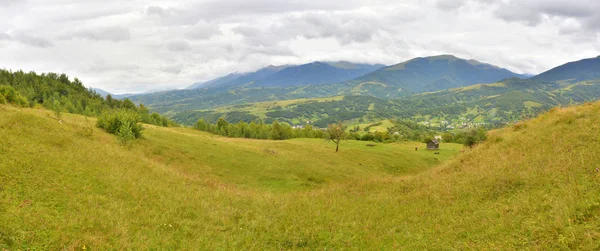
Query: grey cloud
[(175, 43), (4, 36), (532, 12), (216, 10), (156, 10), (32, 40), (7, 3), (246, 31), (203, 30), (173, 69), (179, 45), (592, 23), (115, 34), (449, 4), (173, 16), (272, 51), (107, 66), (345, 27)]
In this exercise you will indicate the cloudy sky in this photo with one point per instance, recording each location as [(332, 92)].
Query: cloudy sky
[(133, 46)]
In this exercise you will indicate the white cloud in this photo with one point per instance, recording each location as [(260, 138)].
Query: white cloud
[(135, 45), (179, 45), (115, 34)]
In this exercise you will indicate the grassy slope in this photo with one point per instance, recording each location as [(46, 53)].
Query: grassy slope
[(536, 187), (532, 188), (62, 188), (385, 124), (261, 108)]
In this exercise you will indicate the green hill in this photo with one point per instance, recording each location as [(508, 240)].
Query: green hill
[(428, 74), (533, 186), (586, 69), (492, 104)]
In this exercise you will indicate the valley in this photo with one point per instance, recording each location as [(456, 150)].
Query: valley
[(501, 102), (299, 125), (61, 187)]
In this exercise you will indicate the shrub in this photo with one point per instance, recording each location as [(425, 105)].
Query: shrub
[(8, 94), (57, 108), (114, 122), (125, 134)]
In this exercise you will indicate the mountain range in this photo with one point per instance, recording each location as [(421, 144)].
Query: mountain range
[(428, 74), (324, 79), (498, 102), (316, 73)]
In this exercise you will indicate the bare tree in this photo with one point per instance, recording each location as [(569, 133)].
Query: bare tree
[(336, 133)]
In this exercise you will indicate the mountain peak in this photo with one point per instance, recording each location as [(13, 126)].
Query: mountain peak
[(443, 56), (435, 73)]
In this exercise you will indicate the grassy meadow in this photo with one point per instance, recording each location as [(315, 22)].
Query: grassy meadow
[(72, 186)]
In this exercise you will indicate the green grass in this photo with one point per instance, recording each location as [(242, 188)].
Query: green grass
[(532, 187), (385, 124), (261, 108)]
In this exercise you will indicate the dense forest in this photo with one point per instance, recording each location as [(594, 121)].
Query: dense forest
[(258, 130), (60, 94)]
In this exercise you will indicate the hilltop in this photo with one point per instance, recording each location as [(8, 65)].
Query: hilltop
[(582, 70), (428, 74), (317, 73), (181, 189)]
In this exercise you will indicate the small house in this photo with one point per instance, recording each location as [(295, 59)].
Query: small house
[(433, 144)]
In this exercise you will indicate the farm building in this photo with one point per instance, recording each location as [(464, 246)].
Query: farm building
[(433, 144)]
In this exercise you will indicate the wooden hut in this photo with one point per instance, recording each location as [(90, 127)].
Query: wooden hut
[(433, 144)]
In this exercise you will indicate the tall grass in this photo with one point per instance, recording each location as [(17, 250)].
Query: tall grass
[(532, 188)]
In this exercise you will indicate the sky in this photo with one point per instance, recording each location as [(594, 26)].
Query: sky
[(126, 46)]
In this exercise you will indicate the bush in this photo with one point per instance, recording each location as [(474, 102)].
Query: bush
[(8, 94), (117, 122), (125, 134)]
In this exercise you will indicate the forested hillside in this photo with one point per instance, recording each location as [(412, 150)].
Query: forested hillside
[(60, 94)]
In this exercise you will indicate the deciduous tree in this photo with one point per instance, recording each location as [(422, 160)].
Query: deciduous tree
[(336, 133)]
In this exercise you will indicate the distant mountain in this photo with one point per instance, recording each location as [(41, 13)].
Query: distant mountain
[(325, 79), (317, 73), (586, 69), (215, 82), (236, 79), (102, 93), (428, 74)]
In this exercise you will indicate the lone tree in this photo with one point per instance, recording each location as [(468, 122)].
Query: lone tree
[(475, 137), (335, 133)]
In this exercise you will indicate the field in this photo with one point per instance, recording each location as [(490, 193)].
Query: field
[(63, 185), (532, 186), (261, 108)]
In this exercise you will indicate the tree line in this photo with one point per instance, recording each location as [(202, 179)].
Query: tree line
[(258, 130), (61, 94)]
